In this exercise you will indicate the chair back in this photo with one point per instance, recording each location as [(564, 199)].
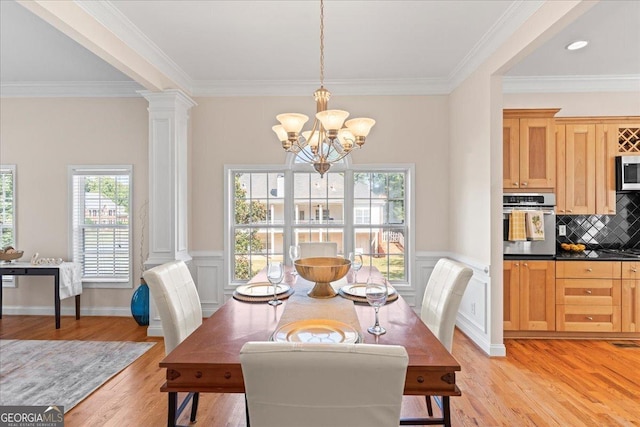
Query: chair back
[(176, 297), (442, 297), (319, 385), (317, 249)]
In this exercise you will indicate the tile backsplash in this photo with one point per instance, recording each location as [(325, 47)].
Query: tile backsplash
[(621, 230)]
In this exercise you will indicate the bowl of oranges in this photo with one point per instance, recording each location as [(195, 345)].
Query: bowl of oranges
[(573, 247)]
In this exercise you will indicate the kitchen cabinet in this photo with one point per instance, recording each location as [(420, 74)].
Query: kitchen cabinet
[(588, 296), (576, 151), (529, 295), (586, 148), (630, 307), (529, 153)]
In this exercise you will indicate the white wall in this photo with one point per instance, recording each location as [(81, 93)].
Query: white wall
[(42, 137)]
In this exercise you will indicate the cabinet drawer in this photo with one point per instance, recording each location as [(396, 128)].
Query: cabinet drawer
[(587, 318), (588, 292), (631, 270), (588, 269)]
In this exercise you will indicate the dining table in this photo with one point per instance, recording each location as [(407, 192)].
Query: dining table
[(208, 361)]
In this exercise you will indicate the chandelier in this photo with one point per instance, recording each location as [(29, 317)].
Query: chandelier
[(328, 141)]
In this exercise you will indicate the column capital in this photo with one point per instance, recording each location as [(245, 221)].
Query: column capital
[(168, 100)]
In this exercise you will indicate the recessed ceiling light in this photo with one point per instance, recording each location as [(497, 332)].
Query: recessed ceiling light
[(579, 44)]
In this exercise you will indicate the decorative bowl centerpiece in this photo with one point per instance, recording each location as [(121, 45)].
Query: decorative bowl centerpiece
[(9, 254), (322, 271)]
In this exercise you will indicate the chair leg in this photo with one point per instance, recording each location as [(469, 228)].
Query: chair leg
[(246, 409), (429, 406), (194, 407)]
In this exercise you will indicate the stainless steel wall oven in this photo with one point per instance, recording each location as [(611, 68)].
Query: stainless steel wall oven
[(545, 202)]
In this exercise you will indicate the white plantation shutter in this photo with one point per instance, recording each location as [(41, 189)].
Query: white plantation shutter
[(101, 222), (7, 213)]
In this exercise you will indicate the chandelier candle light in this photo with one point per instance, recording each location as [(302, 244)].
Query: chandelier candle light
[(328, 141)]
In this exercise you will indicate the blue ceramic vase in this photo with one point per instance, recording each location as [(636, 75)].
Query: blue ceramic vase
[(140, 304)]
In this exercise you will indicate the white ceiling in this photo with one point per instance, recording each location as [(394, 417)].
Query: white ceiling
[(269, 47)]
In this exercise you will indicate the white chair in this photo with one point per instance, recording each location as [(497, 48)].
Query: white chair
[(178, 303), (320, 385), (318, 249), (441, 302)]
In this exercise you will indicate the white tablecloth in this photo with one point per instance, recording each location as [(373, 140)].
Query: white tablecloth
[(70, 276)]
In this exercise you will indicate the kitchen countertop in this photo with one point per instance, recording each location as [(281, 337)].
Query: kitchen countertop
[(588, 255)]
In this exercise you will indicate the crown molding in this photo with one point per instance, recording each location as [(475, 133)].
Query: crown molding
[(499, 32), (511, 84), (304, 88), (127, 89), (567, 84), (116, 22)]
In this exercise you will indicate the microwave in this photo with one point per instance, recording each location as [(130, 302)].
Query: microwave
[(628, 173)]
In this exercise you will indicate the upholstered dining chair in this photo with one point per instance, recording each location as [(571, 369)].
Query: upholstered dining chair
[(318, 249), (178, 303), (441, 302), (319, 385)]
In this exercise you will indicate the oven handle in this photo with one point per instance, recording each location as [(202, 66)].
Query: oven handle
[(505, 212)]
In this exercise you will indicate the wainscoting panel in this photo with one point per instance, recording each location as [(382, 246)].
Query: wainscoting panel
[(207, 269)]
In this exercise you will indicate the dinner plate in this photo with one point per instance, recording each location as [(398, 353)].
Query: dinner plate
[(316, 331), (261, 289), (358, 290)]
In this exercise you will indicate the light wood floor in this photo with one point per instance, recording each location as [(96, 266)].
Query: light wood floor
[(540, 383)]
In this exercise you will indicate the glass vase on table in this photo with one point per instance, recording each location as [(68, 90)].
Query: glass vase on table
[(275, 274), (376, 292)]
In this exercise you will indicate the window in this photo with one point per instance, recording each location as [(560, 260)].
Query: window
[(365, 210), (7, 205), (8, 211), (101, 224)]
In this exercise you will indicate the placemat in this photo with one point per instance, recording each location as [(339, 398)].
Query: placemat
[(247, 298), (363, 300)]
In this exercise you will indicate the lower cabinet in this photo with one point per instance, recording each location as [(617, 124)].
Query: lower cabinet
[(630, 306), (529, 295), (588, 296)]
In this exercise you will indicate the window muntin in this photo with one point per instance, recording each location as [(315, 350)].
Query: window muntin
[(364, 210), (101, 223)]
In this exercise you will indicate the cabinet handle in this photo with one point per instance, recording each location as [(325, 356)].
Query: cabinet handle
[(515, 183), (589, 270), (612, 211), (587, 291), (569, 210), (525, 264), (524, 184), (560, 210), (589, 318), (634, 270), (516, 264)]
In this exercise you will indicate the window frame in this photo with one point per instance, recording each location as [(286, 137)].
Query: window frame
[(102, 170), (348, 227), (10, 281)]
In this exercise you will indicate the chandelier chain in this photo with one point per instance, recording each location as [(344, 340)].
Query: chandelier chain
[(321, 43)]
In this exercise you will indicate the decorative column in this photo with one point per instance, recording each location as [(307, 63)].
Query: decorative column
[(168, 209)]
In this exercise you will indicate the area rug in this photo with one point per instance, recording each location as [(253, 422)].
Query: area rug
[(60, 373)]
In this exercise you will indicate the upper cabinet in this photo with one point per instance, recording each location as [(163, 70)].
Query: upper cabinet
[(529, 150), (586, 152)]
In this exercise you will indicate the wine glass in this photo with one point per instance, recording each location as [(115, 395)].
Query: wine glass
[(275, 274), (356, 264), (376, 293), (294, 253)]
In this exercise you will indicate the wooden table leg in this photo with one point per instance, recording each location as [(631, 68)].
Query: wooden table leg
[(77, 307)]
